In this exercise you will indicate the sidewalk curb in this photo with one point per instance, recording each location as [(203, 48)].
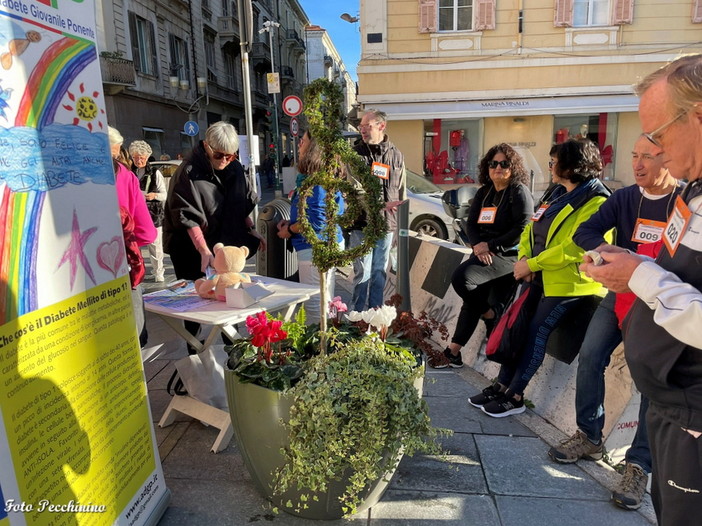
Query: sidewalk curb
[(602, 472)]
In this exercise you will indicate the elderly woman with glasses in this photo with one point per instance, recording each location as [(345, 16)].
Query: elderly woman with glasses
[(549, 259), (209, 202), (500, 210)]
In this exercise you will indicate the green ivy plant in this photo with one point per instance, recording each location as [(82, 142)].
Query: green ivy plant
[(352, 412), (362, 190)]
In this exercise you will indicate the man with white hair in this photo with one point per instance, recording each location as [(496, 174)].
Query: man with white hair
[(662, 338), (153, 186)]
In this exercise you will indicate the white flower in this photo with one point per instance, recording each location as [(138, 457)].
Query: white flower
[(383, 317), (354, 316)]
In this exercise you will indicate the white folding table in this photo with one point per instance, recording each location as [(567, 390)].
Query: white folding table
[(175, 308)]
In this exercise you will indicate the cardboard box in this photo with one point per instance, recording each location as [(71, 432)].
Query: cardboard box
[(244, 295)]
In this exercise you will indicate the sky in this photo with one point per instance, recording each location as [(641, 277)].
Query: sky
[(344, 35)]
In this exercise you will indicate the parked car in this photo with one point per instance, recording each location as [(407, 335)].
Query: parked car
[(426, 214), (167, 168)]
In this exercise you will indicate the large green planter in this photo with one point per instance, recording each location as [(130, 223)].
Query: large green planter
[(256, 414)]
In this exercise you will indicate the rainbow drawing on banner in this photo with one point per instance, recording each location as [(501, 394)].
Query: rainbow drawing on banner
[(55, 71), (20, 212)]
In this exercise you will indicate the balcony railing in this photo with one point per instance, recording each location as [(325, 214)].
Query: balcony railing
[(293, 38), (260, 51), (287, 72), (117, 71), (228, 27)]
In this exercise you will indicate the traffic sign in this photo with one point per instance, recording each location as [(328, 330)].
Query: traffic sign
[(292, 105), (191, 128), (294, 127)]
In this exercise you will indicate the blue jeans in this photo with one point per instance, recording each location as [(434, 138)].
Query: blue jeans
[(544, 321), (602, 337), (369, 272)]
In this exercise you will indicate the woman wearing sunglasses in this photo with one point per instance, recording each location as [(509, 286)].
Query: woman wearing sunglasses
[(500, 210), (549, 259), (209, 202)]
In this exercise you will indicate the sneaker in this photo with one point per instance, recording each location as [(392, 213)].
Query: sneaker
[(158, 279), (631, 488), (437, 360), (453, 361), (576, 447), (488, 394), (504, 405)]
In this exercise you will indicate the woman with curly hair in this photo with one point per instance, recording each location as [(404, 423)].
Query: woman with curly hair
[(550, 259), (499, 212)]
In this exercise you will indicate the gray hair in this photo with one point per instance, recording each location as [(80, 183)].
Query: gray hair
[(222, 137), (114, 136), (684, 79), (379, 116), (140, 148)]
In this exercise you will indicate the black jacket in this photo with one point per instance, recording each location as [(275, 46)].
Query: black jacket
[(216, 201)]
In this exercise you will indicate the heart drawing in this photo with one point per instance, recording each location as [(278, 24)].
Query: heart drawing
[(111, 256)]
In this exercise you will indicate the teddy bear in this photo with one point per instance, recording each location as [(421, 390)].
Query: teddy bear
[(228, 262)]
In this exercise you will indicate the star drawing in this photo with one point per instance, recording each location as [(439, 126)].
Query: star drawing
[(76, 250)]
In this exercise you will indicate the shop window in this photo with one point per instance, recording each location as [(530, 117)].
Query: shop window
[(450, 150), (600, 128)]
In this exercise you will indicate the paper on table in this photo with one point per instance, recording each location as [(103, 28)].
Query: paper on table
[(180, 296)]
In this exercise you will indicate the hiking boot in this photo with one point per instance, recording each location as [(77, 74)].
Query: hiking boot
[(576, 447), (488, 394), (631, 488), (504, 405)]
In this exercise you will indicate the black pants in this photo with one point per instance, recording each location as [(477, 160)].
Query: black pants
[(676, 487), (480, 287)]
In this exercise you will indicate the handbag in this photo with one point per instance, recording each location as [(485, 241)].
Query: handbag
[(508, 338), (565, 340)]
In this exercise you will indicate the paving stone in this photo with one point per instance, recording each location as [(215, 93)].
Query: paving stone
[(459, 471), (197, 502), (520, 466), (525, 511), (445, 382), (410, 508)]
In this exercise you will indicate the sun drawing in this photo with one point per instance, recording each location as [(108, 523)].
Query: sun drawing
[(86, 108)]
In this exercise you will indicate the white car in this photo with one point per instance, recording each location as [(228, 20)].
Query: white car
[(426, 211)]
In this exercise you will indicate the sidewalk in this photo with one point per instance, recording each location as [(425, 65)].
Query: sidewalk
[(496, 474)]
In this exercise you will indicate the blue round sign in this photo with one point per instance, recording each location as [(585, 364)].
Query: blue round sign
[(191, 128)]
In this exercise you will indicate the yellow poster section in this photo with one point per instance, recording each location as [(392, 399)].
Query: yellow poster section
[(75, 408)]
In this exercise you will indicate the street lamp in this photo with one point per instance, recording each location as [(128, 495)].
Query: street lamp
[(348, 18), (268, 26), (178, 84)]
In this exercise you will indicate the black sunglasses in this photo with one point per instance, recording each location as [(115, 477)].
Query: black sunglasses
[(503, 164)]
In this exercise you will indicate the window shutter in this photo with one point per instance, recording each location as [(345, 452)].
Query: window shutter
[(154, 50), (697, 12), (623, 12), (563, 15), (134, 40), (484, 15), (427, 16)]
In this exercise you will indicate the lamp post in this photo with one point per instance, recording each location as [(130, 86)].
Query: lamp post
[(178, 84), (268, 26)]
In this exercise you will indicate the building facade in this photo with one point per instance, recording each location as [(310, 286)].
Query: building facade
[(324, 61), (458, 76), (167, 62)]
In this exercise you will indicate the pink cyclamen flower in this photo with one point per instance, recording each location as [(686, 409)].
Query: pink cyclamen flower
[(336, 306)]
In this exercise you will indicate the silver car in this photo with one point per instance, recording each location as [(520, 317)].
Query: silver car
[(426, 214)]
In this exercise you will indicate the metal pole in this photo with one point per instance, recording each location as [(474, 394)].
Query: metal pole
[(248, 113), (403, 277), (276, 123)]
